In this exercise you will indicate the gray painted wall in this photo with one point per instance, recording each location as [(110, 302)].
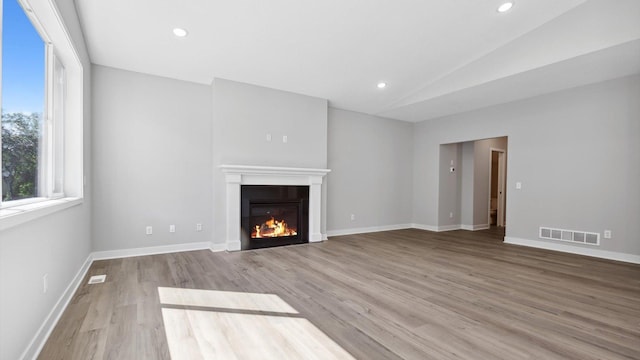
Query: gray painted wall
[(575, 152), (371, 165), (57, 244), (467, 172), (450, 185), (242, 117), (152, 156)]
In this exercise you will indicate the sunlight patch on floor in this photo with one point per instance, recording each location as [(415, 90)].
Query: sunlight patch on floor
[(229, 325), (224, 300)]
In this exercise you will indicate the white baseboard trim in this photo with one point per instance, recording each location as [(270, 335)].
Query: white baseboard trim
[(152, 250), (368, 229), (449, 227), (218, 247), (604, 254), (37, 343), (475, 227), (436, 228), (408, 226), (424, 227), (234, 246)]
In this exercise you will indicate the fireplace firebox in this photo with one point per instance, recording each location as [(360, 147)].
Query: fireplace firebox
[(274, 215)]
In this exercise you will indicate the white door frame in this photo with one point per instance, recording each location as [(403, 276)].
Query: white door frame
[(502, 180)]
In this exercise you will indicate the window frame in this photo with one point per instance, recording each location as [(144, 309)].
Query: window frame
[(52, 139)]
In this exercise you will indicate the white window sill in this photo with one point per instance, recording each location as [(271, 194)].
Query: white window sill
[(20, 214)]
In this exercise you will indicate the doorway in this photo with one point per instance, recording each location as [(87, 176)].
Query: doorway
[(497, 188), (464, 189)]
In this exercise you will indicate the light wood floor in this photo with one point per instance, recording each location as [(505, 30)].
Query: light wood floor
[(407, 294)]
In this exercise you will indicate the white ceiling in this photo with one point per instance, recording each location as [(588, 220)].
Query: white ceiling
[(438, 57)]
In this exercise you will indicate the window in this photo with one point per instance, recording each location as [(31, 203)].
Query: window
[(33, 95), (42, 96), (23, 85)]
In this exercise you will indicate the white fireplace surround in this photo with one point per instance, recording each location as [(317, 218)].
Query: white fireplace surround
[(238, 175)]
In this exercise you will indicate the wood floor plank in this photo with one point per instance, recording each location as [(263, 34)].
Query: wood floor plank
[(406, 294), (122, 333), (89, 345)]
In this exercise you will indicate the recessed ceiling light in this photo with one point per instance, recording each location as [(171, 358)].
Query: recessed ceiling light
[(382, 85), (179, 32), (505, 6)]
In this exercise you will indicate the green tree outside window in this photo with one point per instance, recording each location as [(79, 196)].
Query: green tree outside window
[(20, 143)]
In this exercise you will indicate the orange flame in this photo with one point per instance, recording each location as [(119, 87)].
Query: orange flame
[(273, 228)]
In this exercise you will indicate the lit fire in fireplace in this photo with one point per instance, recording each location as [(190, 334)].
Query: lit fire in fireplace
[(272, 228)]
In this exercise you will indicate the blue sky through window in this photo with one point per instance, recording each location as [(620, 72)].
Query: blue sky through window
[(23, 66)]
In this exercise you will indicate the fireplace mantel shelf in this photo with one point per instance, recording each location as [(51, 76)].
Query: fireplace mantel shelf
[(271, 170), (238, 175)]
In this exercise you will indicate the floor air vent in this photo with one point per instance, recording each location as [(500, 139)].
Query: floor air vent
[(581, 237), (97, 279)]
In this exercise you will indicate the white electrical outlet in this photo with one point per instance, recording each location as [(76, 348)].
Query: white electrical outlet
[(450, 215), (518, 185), (353, 217), (45, 283), (198, 227), (172, 228), (149, 230), (268, 137), (607, 234), (285, 138)]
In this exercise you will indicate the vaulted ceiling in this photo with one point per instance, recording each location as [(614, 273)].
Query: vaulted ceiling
[(438, 57)]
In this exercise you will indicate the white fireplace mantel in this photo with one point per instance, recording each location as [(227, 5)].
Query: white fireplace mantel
[(238, 175)]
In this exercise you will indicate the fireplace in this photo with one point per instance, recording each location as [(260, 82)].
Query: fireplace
[(274, 215), (308, 222)]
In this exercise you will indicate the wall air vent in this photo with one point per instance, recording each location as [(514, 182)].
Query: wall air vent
[(574, 236)]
